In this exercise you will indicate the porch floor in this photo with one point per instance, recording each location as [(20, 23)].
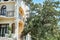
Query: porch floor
[(5, 38)]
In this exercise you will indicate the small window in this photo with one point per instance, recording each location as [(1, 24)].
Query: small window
[(3, 10), (5, 0)]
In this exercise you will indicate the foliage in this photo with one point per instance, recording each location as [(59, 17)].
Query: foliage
[(43, 26), (9, 28), (9, 32)]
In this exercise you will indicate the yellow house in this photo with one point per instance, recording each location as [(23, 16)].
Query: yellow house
[(13, 14)]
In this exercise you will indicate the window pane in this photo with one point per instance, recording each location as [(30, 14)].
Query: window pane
[(5, 0)]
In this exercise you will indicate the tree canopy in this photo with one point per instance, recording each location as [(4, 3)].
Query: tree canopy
[(42, 25)]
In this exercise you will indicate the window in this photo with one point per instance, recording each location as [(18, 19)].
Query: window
[(3, 10), (5, 0), (3, 29), (13, 28)]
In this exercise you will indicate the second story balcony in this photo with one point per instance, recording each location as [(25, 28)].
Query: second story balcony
[(7, 10), (7, 14)]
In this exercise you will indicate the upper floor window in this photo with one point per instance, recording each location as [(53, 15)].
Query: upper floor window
[(5, 0), (3, 10)]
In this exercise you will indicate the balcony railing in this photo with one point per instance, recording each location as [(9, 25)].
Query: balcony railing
[(10, 14), (7, 14)]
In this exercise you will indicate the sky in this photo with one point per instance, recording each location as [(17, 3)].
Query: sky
[(41, 1), (59, 23), (38, 1)]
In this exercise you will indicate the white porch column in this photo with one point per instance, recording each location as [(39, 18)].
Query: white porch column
[(28, 37), (17, 19)]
